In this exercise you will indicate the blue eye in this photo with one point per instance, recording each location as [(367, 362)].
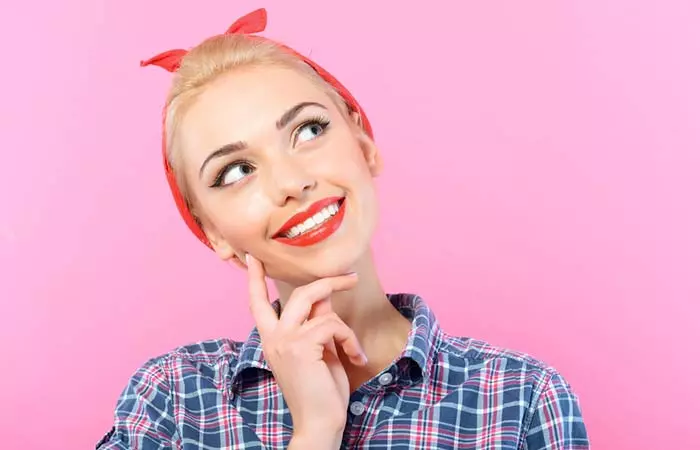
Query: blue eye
[(233, 173), (311, 130)]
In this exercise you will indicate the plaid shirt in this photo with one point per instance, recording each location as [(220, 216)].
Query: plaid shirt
[(442, 392)]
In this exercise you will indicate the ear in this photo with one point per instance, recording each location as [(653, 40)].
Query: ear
[(369, 149), (227, 253), (220, 245)]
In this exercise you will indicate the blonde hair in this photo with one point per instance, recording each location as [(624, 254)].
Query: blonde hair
[(212, 58)]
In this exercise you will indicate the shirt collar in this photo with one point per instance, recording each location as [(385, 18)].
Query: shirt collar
[(425, 335), (421, 347)]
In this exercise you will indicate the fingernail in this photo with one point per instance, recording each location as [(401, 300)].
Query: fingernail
[(247, 258), (352, 274)]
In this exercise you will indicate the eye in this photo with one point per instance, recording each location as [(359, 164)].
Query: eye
[(311, 130), (233, 173)]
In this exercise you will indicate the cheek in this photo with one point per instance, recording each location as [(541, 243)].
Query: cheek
[(342, 162), (240, 220)]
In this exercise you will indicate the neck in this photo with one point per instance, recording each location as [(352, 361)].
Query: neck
[(380, 328)]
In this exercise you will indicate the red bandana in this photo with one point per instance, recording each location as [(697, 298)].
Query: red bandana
[(254, 22)]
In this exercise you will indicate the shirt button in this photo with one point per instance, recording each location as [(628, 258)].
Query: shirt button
[(357, 408), (385, 378)]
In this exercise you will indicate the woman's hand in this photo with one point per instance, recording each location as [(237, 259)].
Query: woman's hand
[(300, 348)]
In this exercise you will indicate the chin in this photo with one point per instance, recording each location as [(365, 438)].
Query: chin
[(332, 262), (335, 257)]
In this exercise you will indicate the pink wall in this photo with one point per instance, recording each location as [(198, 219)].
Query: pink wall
[(548, 150)]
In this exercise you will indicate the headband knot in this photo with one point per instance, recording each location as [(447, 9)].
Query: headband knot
[(253, 22)]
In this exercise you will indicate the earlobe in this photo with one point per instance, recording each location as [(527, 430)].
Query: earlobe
[(235, 259), (225, 251), (222, 248)]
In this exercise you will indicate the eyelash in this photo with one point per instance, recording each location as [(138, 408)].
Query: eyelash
[(320, 120), (224, 170)]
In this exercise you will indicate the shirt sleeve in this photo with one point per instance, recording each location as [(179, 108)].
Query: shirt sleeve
[(557, 423), (143, 419)]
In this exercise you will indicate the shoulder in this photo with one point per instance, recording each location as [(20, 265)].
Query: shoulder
[(210, 351), (210, 359), (145, 414), (183, 370), (477, 352), (482, 360)]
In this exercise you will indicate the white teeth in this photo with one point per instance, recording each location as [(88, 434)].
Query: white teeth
[(312, 222)]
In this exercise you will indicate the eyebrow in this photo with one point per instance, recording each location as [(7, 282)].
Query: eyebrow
[(283, 121), (223, 151), (293, 112)]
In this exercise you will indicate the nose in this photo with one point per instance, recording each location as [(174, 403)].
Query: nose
[(289, 181)]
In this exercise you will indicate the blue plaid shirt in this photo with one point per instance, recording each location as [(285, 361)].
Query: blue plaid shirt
[(442, 392)]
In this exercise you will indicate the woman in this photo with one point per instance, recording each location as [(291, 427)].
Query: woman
[(271, 162)]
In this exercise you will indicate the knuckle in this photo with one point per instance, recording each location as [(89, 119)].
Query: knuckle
[(330, 318), (337, 321), (336, 318), (322, 326)]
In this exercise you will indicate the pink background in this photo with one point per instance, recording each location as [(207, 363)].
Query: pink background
[(541, 192)]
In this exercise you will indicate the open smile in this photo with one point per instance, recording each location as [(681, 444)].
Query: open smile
[(314, 225)]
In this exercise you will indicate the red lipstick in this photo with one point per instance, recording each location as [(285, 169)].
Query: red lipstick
[(303, 229)]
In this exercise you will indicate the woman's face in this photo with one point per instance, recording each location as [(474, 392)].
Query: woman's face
[(275, 169)]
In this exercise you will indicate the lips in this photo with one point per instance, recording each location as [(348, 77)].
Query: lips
[(320, 220)]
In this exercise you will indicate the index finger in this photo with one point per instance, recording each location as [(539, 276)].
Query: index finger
[(264, 314), (303, 299)]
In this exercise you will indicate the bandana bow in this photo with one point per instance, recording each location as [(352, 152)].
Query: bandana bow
[(254, 22), (170, 60)]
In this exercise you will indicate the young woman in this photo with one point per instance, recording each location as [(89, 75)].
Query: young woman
[(271, 162)]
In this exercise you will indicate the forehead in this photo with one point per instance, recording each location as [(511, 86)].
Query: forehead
[(244, 104)]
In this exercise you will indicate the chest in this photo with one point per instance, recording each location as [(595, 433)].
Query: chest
[(418, 417)]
